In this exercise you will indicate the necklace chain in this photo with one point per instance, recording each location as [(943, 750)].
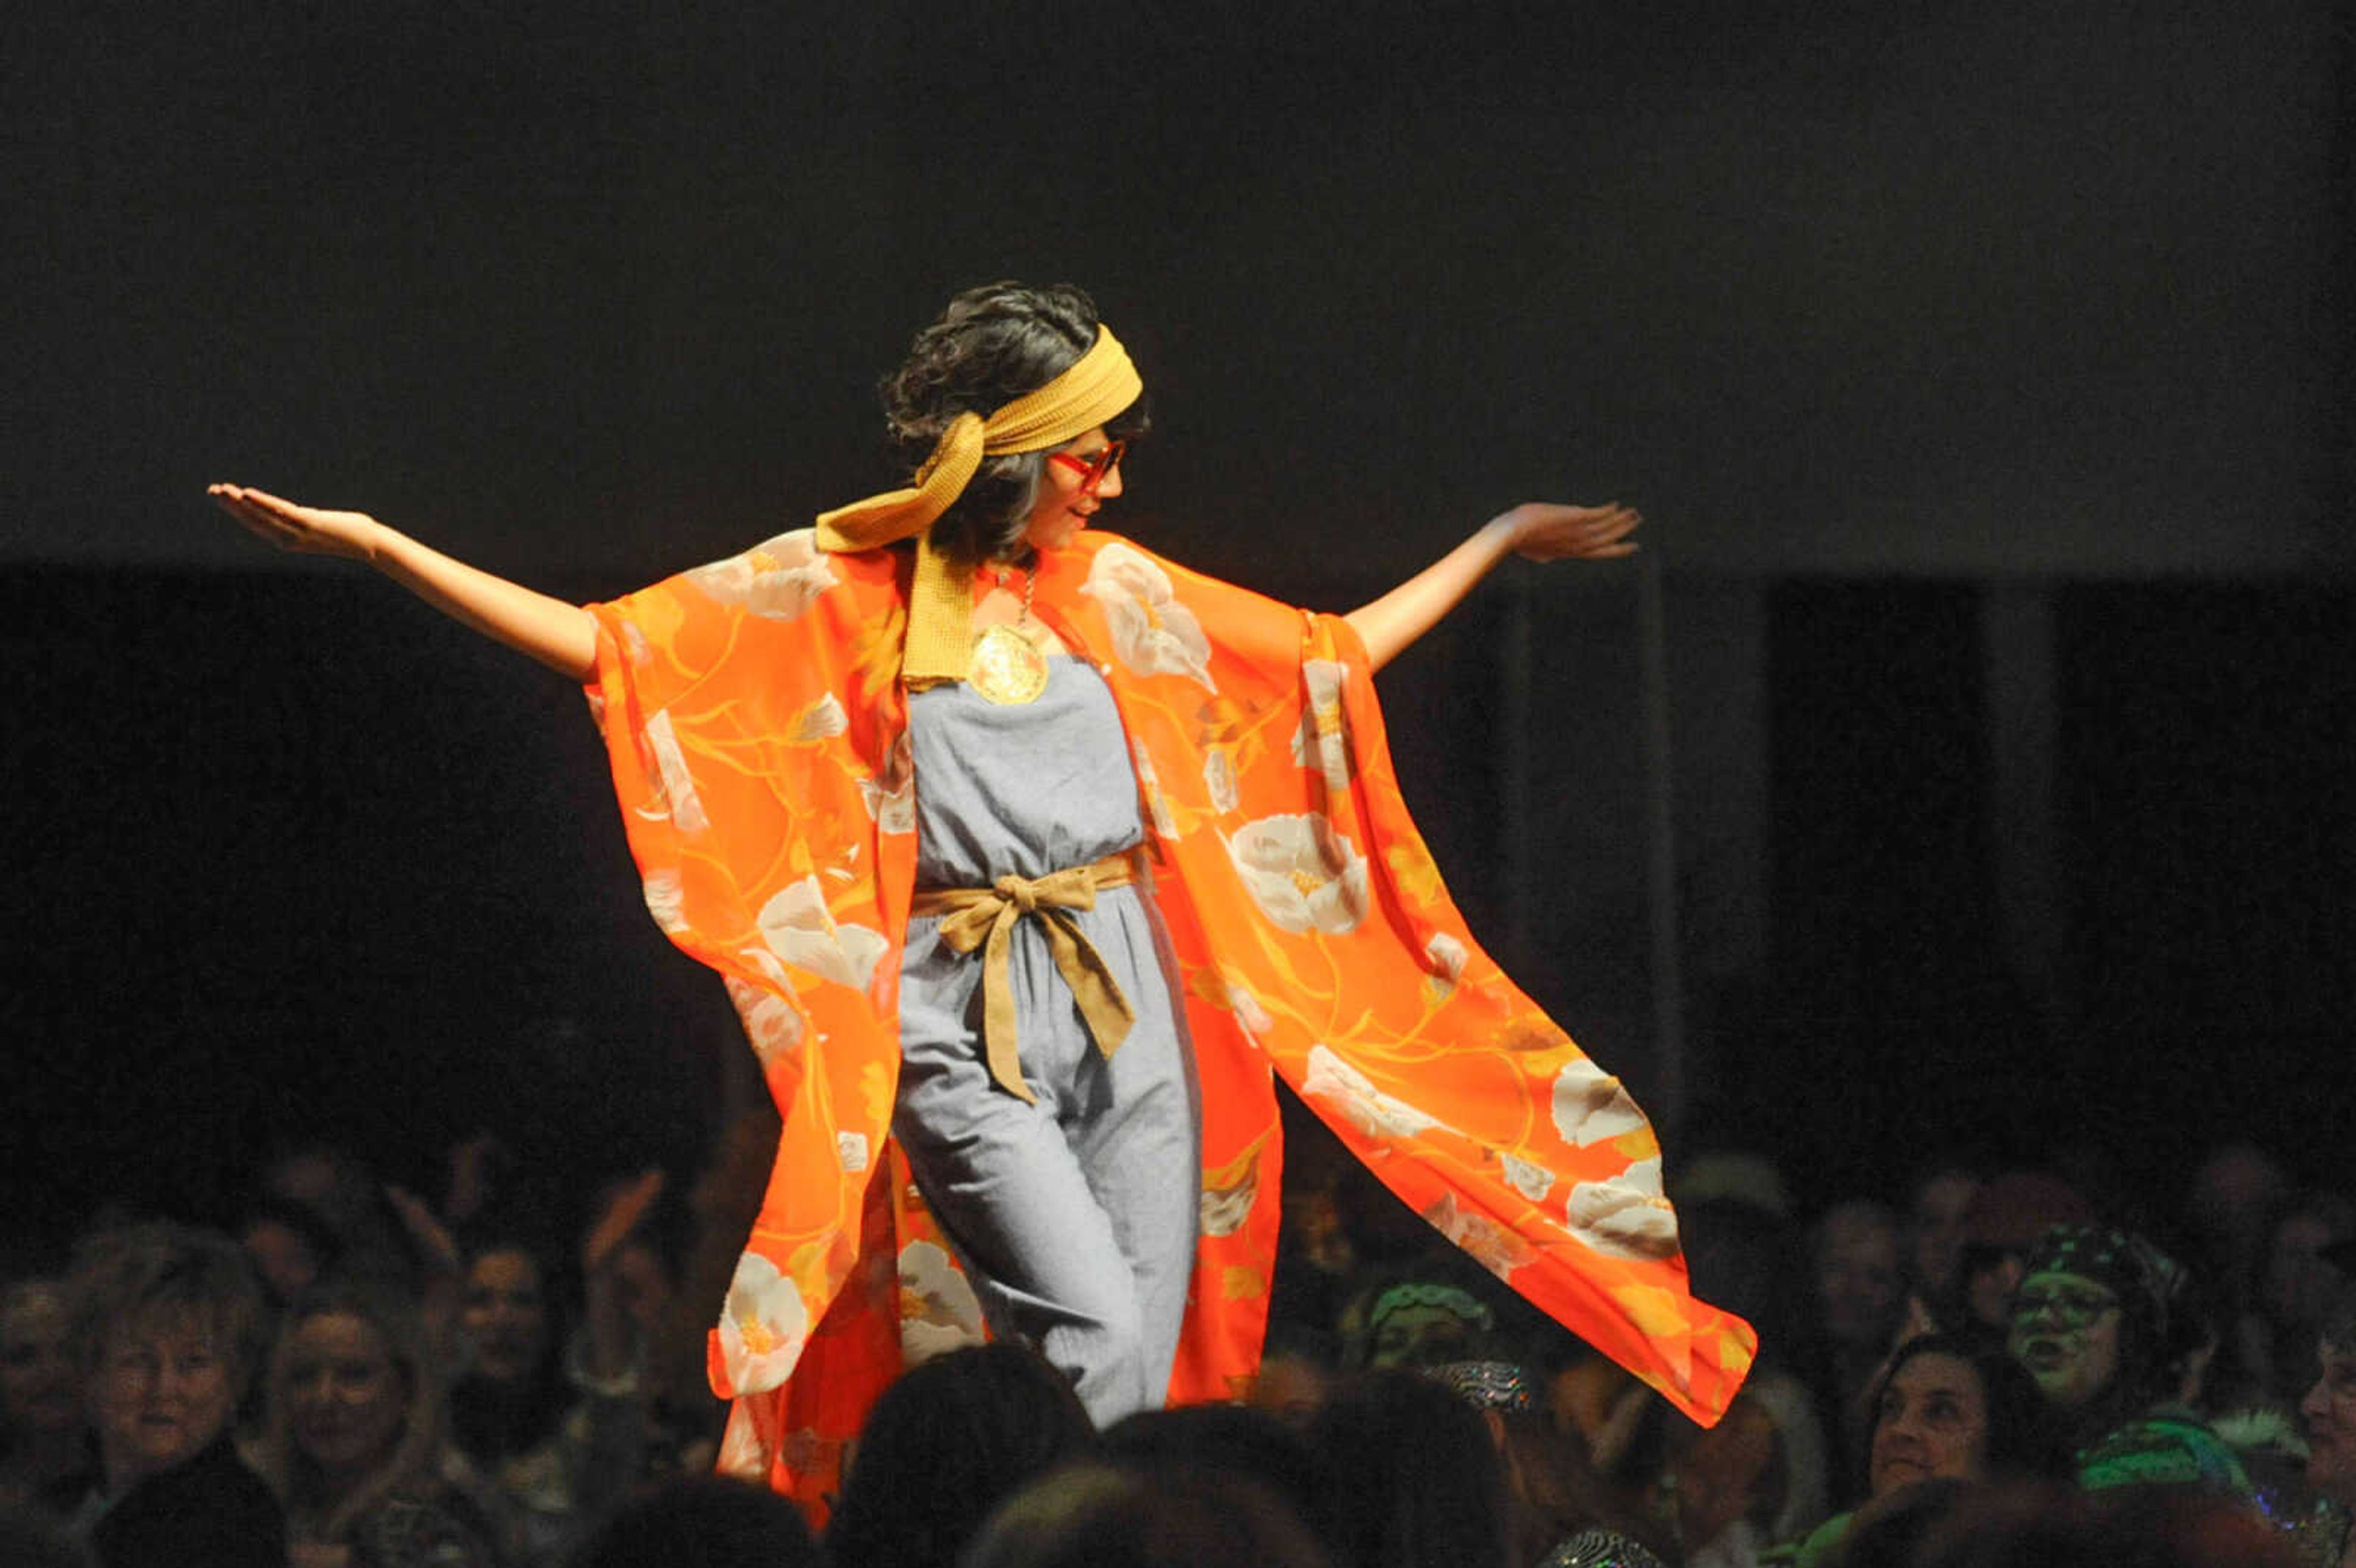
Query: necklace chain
[(1029, 586), (1008, 666)]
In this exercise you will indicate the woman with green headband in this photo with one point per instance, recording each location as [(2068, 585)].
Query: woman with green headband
[(1025, 855)]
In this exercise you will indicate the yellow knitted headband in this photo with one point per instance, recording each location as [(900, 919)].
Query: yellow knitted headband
[(1099, 385)]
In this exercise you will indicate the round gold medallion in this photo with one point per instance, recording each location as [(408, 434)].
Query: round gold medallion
[(1007, 666)]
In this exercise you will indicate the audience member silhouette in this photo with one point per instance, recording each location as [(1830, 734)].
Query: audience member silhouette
[(353, 1436), (166, 1327), (948, 1443)]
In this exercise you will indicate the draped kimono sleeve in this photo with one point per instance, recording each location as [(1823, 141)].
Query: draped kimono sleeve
[(756, 734), (1316, 936)]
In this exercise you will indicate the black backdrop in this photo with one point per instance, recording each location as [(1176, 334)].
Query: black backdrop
[(1883, 315)]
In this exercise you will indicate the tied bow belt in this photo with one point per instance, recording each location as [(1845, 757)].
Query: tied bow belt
[(985, 918)]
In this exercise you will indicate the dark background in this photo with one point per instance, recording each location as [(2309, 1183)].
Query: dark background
[(1978, 722)]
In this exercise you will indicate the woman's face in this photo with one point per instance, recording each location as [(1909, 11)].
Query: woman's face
[(1857, 1279), (38, 1390), (1065, 503), (2298, 1282), (2065, 1331), (1939, 1205), (1931, 1422), (287, 1263), (2330, 1410), (346, 1398), (505, 1316), (1423, 1337), (164, 1389)]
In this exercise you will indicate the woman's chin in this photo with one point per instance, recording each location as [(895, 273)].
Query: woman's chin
[(1056, 532)]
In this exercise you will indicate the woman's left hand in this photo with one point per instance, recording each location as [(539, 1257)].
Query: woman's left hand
[(437, 1249), (611, 1352), (1545, 530), (623, 1210), (1542, 530)]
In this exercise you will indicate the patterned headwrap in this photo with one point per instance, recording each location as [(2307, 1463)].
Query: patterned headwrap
[(1097, 386), (2151, 1286), (1485, 1386)]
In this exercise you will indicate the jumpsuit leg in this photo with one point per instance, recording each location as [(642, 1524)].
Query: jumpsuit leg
[(1075, 1216)]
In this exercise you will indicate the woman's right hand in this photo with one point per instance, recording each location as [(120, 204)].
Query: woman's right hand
[(561, 636), (307, 529)]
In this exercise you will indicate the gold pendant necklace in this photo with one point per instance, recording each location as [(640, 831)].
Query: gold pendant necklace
[(1006, 666)]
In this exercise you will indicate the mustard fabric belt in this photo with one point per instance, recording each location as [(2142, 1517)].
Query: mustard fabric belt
[(985, 917)]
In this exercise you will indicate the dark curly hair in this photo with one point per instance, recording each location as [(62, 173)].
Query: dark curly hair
[(992, 344), (2024, 1439)]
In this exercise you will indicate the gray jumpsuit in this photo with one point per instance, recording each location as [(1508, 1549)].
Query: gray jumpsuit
[(1075, 1216)]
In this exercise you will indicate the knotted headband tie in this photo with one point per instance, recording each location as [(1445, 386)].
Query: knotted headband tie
[(985, 918), (1097, 386)]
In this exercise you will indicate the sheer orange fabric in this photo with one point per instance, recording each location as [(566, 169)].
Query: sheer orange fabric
[(755, 726)]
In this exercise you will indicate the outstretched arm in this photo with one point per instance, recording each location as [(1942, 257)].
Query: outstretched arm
[(1539, 529), (561, 636)]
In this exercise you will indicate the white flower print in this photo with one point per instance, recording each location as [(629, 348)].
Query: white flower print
[(1448, 958), (1493, 1246), (1350, 1093), (1219, 779), (762, 1327), (799, 930), (743, 1453), (1153, 633), (664, 897), (1222, 1210), (778, 581), (671, 765), (938, 1310), (1532, 1181), (772, 1022), (1249, 1012), (1150, 784), (1304, 874), (821, 720), (1625, 1217), (891, 796), (851, 1152), (1589, 1105), (1323, 741)]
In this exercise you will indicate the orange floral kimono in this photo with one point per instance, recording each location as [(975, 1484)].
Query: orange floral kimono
[(757, 728)]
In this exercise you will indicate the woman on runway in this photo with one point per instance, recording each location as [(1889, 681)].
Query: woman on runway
[(1025, 855)]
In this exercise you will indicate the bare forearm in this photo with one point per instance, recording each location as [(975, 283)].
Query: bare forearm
[(561, 635), (1542, 530), (1389, 623)]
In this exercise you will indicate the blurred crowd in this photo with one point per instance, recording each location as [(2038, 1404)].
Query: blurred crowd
[(1990, 1367)]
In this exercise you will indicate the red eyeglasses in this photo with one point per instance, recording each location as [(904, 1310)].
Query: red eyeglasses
[(1091, 466)]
